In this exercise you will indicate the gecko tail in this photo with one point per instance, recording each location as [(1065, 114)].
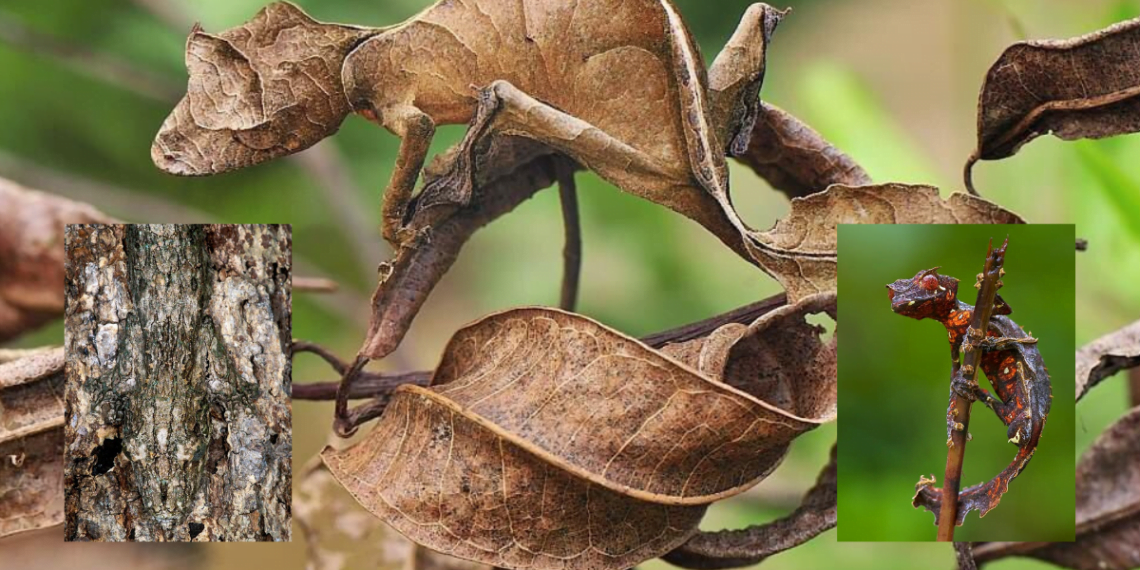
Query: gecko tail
[(982, 497)]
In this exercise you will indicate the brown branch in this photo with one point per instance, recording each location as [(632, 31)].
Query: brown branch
[(367, 385), (1134, 386), (964, 552), (172, 14), (314, 285), (572, 251), (959, 412), (743, 315), (735, 548)]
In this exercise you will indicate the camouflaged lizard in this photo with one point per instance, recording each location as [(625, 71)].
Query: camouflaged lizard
[(1010, 360), (170, 367)]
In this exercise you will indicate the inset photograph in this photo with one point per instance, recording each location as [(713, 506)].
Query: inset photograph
[(178, 416), (935, 396)]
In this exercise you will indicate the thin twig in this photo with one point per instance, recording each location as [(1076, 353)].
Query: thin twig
[(1082, 245), (572, 251), (1134, 386), (314, 285), (743, 315), (959, 412)]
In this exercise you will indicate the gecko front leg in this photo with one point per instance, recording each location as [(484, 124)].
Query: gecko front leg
[(416, 131)]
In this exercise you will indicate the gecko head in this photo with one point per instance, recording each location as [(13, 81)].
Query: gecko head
[(926, 295), (265, 89)]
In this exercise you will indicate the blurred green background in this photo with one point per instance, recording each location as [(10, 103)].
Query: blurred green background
[(894, 374), (84, 85)]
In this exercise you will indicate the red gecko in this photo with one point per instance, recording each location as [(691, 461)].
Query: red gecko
[(1011, 362)]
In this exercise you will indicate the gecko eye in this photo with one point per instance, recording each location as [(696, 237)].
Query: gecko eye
[(930, 282)]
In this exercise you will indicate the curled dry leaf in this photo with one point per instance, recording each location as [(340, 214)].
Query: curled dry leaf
[(800, 251), (1085, 87), (546, 429), (31, 440), (1108, 508), (31, 255), (1106, 356), (794, 158), (737, 548)]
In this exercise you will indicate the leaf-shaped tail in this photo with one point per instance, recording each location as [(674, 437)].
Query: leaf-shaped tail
[(981, 497)]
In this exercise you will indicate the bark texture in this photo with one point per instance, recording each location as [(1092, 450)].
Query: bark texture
[(178, 416)]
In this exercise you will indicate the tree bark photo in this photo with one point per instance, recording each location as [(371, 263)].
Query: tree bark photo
[(178, 418)]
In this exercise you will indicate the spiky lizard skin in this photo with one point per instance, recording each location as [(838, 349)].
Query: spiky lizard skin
[(1010, 360)]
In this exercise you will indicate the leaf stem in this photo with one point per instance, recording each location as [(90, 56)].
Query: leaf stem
[(572, 251)]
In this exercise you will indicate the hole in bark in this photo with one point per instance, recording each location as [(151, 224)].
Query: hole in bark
[(196, 529), (273, 439), (105, 455)]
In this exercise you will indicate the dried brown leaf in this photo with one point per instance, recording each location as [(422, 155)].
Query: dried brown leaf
[(493, 501), (540, 412), (31, 255), (800, 251), (1084, 87), (1108, 507), (750, 546), (795, 159), (31, 440), (1106, 356)]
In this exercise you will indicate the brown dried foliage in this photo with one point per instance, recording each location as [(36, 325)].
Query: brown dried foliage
[(800, 250), (1084, 87), (31, 439), (1106, 356), (538, 419), (795, 159), (283, 81)]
